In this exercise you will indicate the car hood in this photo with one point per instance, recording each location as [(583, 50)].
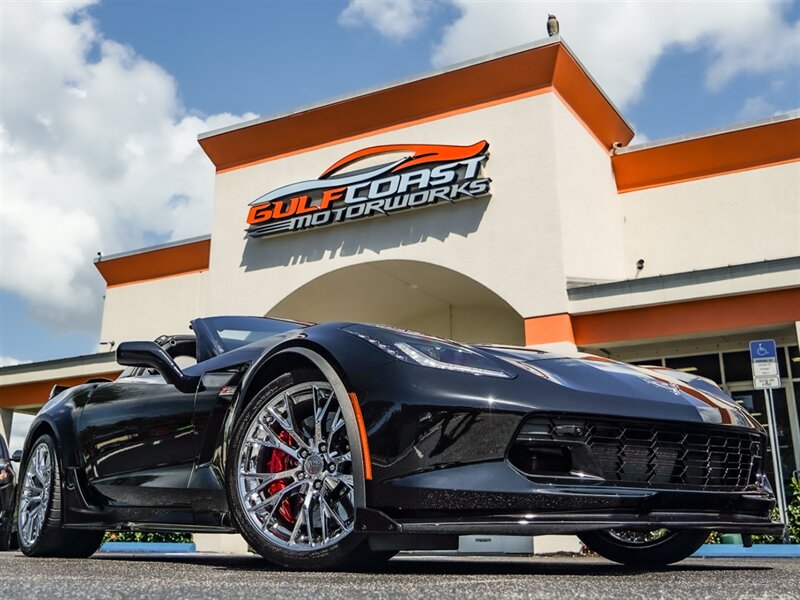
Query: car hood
[(610, 378)]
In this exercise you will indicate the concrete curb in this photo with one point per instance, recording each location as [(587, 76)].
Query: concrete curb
[(149, 547)]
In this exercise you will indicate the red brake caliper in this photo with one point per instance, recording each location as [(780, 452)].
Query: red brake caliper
[(279, 461)]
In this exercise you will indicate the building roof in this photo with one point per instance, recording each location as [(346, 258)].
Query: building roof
[(744, 146), (155, 262), (543, 66)]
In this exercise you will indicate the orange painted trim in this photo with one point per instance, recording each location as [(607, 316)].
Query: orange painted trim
[(362, 433), (582, 97), (34, 394), (155, 264), (492, 81), (116, 285), (549, 329), (728, 313), (367, 134), (730, 152)]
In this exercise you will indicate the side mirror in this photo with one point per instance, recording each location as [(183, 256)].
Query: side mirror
[(151, 355), (17, 456)]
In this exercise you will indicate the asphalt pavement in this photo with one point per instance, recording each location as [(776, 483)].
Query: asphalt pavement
[(430, 577)]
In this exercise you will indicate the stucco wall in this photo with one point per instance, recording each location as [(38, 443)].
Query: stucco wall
[(145, 310), (591, 212), (725, 220)]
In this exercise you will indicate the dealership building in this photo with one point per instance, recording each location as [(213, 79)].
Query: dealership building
[(493, 201)]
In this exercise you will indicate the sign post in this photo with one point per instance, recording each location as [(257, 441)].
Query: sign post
[(766, 376)]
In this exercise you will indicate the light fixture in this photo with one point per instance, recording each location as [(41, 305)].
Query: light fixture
[(796, 359), (688, 369)]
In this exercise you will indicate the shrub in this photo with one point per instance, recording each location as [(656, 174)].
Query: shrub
[(138, 536)]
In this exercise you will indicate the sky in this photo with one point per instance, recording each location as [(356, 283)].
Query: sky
[(101, 104)]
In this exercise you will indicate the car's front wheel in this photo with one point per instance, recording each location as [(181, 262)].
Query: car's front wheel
[(653, 548), (39, 507), (290, 476)]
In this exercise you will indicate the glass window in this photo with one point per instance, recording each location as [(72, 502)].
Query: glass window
[(755, 403), (737, 365), (794, 361), (706, 365)]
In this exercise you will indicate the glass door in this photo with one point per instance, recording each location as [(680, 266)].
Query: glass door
[(755, 403)]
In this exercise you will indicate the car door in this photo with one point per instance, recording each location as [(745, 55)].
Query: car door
[(136, 441)]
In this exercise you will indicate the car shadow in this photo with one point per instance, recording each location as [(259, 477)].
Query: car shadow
[(449, 565)]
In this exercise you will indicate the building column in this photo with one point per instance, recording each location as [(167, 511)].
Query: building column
[(551, 332), (6, 419), (794, 418)]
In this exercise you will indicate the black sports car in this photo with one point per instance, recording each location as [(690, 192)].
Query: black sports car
[(340, 443)]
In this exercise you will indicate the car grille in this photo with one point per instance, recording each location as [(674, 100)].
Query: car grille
[(649, 454)]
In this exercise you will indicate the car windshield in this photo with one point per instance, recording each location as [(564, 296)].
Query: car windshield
[(229, 333)]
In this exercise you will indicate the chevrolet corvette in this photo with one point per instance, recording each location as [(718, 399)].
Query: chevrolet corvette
[(343, 443)]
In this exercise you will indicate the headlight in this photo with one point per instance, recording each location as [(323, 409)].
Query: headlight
[(428, 351)]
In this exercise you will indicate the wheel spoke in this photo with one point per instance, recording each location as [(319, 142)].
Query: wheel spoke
[(289, 426), (307, 515), (274, 442), (275, 498), (336, 424), (334, 515), (269, 478)]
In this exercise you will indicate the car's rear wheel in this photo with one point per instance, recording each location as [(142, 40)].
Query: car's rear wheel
[(290, 476), (653, 548), (39, 526)]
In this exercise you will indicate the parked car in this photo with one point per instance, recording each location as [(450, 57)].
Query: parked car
[(8, 480), (343, 443)]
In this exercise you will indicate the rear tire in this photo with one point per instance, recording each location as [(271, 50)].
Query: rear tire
[(634, 549), (39, 508), (290, 478)]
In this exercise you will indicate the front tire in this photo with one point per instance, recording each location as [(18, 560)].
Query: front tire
[(39, 527), (290, 476), (656, 548)]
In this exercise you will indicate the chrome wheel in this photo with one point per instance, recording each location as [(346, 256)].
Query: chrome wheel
[(637, 537), (294, 472), (35, 494)]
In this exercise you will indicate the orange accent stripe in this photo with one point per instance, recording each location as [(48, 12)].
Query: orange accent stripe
[(727, 313), (34, 394), (116, 285), (421, 154), (549, 329), (496, 80), (362, 433), (730, 152), (155, 264)]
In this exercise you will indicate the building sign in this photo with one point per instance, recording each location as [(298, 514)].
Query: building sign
[(426, 175)]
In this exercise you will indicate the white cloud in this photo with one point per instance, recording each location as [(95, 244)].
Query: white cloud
[(394, 19), (19, 429), (95, 148), (756, 107), (10, 361), (621, 42)]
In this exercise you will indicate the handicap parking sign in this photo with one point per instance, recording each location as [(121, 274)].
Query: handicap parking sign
[(764, 361)]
